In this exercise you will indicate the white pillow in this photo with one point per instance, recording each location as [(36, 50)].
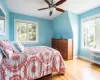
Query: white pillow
[(20, 47), (9, 52), (1, 58)]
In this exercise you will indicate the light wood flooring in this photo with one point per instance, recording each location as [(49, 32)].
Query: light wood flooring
[(77, 69)]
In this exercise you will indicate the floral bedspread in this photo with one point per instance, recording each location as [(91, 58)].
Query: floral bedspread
[(34, 63)]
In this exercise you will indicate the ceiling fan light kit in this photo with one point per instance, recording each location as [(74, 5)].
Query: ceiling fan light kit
[(51, 5)]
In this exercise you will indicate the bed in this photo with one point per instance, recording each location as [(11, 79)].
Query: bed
[(33, 63)]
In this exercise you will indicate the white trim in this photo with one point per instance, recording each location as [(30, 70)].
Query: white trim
[(82, 38), (84, 58), (26, 22), (75, 57), (3, 33), (91, 49), (89, 60)]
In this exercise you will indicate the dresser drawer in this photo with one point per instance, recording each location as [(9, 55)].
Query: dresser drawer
[(64, 55), (63, 45), (55, 44)]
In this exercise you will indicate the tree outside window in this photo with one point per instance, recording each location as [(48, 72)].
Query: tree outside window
[(26, 31), (91, 33)]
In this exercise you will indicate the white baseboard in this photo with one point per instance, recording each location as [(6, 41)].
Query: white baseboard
[(88, 59), (84, 58), (75, 57)]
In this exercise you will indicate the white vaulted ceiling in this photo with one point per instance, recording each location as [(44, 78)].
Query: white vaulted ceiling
[(30, 7)]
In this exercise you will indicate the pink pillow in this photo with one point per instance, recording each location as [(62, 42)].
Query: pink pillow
[(7, 48)]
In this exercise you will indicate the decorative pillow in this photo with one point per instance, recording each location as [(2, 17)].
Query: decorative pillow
[(20, 47), (1, 56), (7, 48), (15, 48), (2, 52)]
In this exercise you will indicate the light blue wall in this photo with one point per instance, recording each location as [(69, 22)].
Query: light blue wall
[(1, 13), (86, 53), (2, 2), (66, 26), (74, 21), (62, 26), (44, 26)]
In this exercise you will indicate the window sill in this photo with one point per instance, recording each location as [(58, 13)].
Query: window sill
[(30, 42), (91, 50)]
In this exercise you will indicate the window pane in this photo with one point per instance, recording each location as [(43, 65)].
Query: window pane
[(2, 26), (98, 33), (89, 34), (31, 32), (26, 32), (21, 32)]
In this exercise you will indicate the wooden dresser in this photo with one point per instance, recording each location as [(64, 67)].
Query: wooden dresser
[(64, 46)]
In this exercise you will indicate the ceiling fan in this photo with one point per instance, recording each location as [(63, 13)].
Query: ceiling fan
[(51, 5)]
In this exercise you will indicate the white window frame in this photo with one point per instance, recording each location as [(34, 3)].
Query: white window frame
[(25, 21), (3, 18), (82, 32), (3, 33)]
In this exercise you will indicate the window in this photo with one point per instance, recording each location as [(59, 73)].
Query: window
[(2, 24), (91, 33), (26, 31)]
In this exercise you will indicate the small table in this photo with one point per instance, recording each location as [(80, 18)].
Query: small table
[(93, 55)]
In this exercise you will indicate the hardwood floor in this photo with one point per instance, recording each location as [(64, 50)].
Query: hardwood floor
[(77, 69)]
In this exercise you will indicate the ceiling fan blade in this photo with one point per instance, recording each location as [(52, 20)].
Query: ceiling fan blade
[(50, 13), (59, 9), (60, 2), (47, 2), (43, 8)]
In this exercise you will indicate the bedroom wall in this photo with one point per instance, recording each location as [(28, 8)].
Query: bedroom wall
[(66, 26), (44, 26), (1, 13), (2, 2), (62, 26), (74, 21), (85, 53)]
